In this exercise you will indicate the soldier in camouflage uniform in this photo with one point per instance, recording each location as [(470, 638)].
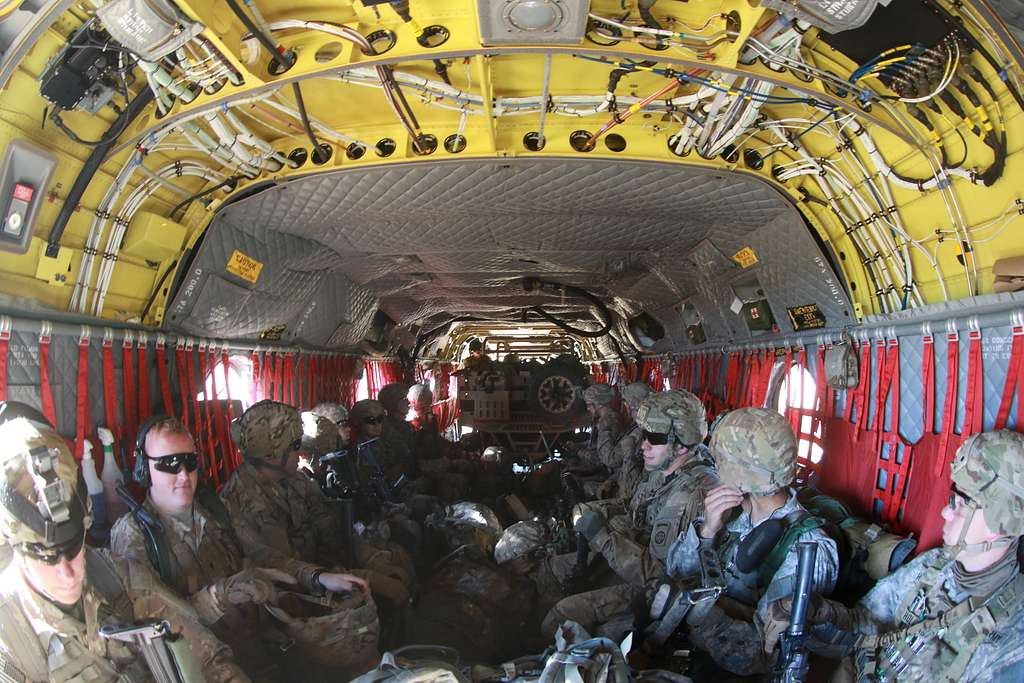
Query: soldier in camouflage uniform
[(679, 472), (631, 471), (954, 613), (56, 593), (197, 552), (280, 507), (598, 458), (396, 436), (755, 452), (338, 414)]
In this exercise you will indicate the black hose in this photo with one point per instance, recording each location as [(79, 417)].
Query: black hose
[(557, 287), (159, 284), (286, 57), (305, 117), (89, 168), (425, 337), (199, 195)]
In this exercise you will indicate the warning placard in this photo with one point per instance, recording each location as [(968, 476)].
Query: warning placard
[(807, 317), (746, 257), (244, 266)]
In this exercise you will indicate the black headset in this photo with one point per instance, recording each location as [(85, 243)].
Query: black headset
[(141, 471)]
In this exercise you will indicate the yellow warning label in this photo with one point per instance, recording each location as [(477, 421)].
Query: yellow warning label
[(244, 266), (745, 257)]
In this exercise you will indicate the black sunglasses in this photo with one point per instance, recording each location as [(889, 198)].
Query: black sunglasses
[(172, 464), (53, 555), (655, 439), (373, 419)]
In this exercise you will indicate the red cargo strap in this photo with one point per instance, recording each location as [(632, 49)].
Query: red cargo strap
[(949, 406), (974, 402), (193, 395), (1014, 378), (821, 392), (219, 435), (230, 446), (145, 401), (888, 360), (5, 347), (110, 402), (311, 383), (128, 397), (928, 380), (254, 384), (165, 379), (204, 376), (732, 380), (279, 376), (896, 479), (82, 419), (268, 375), (45, 391), (179, 350), (289, 379), (863, 393)]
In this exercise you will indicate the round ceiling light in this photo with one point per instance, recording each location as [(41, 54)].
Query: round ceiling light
[(533, 15)]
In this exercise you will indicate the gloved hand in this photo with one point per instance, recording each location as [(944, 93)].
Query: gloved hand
[(819, 611), (255, 585), (338, 583), (590, 524)]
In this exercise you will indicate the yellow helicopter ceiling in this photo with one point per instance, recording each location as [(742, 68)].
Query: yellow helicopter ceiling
[(895, 130)]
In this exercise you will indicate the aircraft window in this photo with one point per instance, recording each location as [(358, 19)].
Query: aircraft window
[(797, 392), (239, 381), (362, 388)]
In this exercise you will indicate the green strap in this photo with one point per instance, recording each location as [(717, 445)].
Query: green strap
[(794, 529)]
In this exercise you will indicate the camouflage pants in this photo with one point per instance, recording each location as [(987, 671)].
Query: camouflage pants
[(594, 609)]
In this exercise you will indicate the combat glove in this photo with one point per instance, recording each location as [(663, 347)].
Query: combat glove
[(253, 585), (819, 611)]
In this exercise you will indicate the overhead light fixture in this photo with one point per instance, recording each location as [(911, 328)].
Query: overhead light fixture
[(532, 21)]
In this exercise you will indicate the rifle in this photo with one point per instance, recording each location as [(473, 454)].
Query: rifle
[(791, 663), (574, 493), (168, 657)]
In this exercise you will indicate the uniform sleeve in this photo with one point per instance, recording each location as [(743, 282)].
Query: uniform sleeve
[(606, 449), (152, 600), (1000, 658), (876, 611), (682, 554), (326, 521), (127, 540), (259, 554)]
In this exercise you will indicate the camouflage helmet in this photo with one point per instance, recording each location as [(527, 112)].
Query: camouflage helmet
[(599, 394), (339, 630), (335, 412), (44, 504), (391, 396), (269, 430), (755, 450), (420, 395), (677, 413), (364, 409), (635, 392), (989, 469), (319, 434), (520, 539), (473, 514)]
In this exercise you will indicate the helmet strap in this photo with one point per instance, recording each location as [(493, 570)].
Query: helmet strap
[(963, 546)]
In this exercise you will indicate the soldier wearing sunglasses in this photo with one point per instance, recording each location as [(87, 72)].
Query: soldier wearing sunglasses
[(195, 548), (57, 593), (673, 425)]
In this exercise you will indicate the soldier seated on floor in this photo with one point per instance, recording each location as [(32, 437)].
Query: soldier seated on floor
[(954, 613)]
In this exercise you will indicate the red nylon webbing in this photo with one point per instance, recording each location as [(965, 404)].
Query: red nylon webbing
[(45, 391), (888, 364), (949, 406), (267, 374), (128, 398), (204, 374), (193, 395), (5, 348), (896, 480), (974, 402), (928, 382), (254, 384), (179, 353), (278, 377), (217, 424), (165, 379), (863, 394), (110, 402), (230, 446), (82, 418), (821, 392), (289, 380), (1014, 380), (145, 401)]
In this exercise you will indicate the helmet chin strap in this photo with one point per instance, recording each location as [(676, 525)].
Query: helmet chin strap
[(961, 546)]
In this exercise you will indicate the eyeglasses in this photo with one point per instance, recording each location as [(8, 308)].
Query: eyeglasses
[(655, 439), (53, 555), (343, 424), (297, 444), (956, 495), (373, 419), (172, 464)]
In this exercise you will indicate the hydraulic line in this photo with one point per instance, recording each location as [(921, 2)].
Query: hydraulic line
[(558, 288), (297, 91), (545, 97), (89, 168), (617, 119), (230, 183)]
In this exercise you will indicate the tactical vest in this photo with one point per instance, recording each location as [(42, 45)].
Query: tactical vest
[(959, 631)]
